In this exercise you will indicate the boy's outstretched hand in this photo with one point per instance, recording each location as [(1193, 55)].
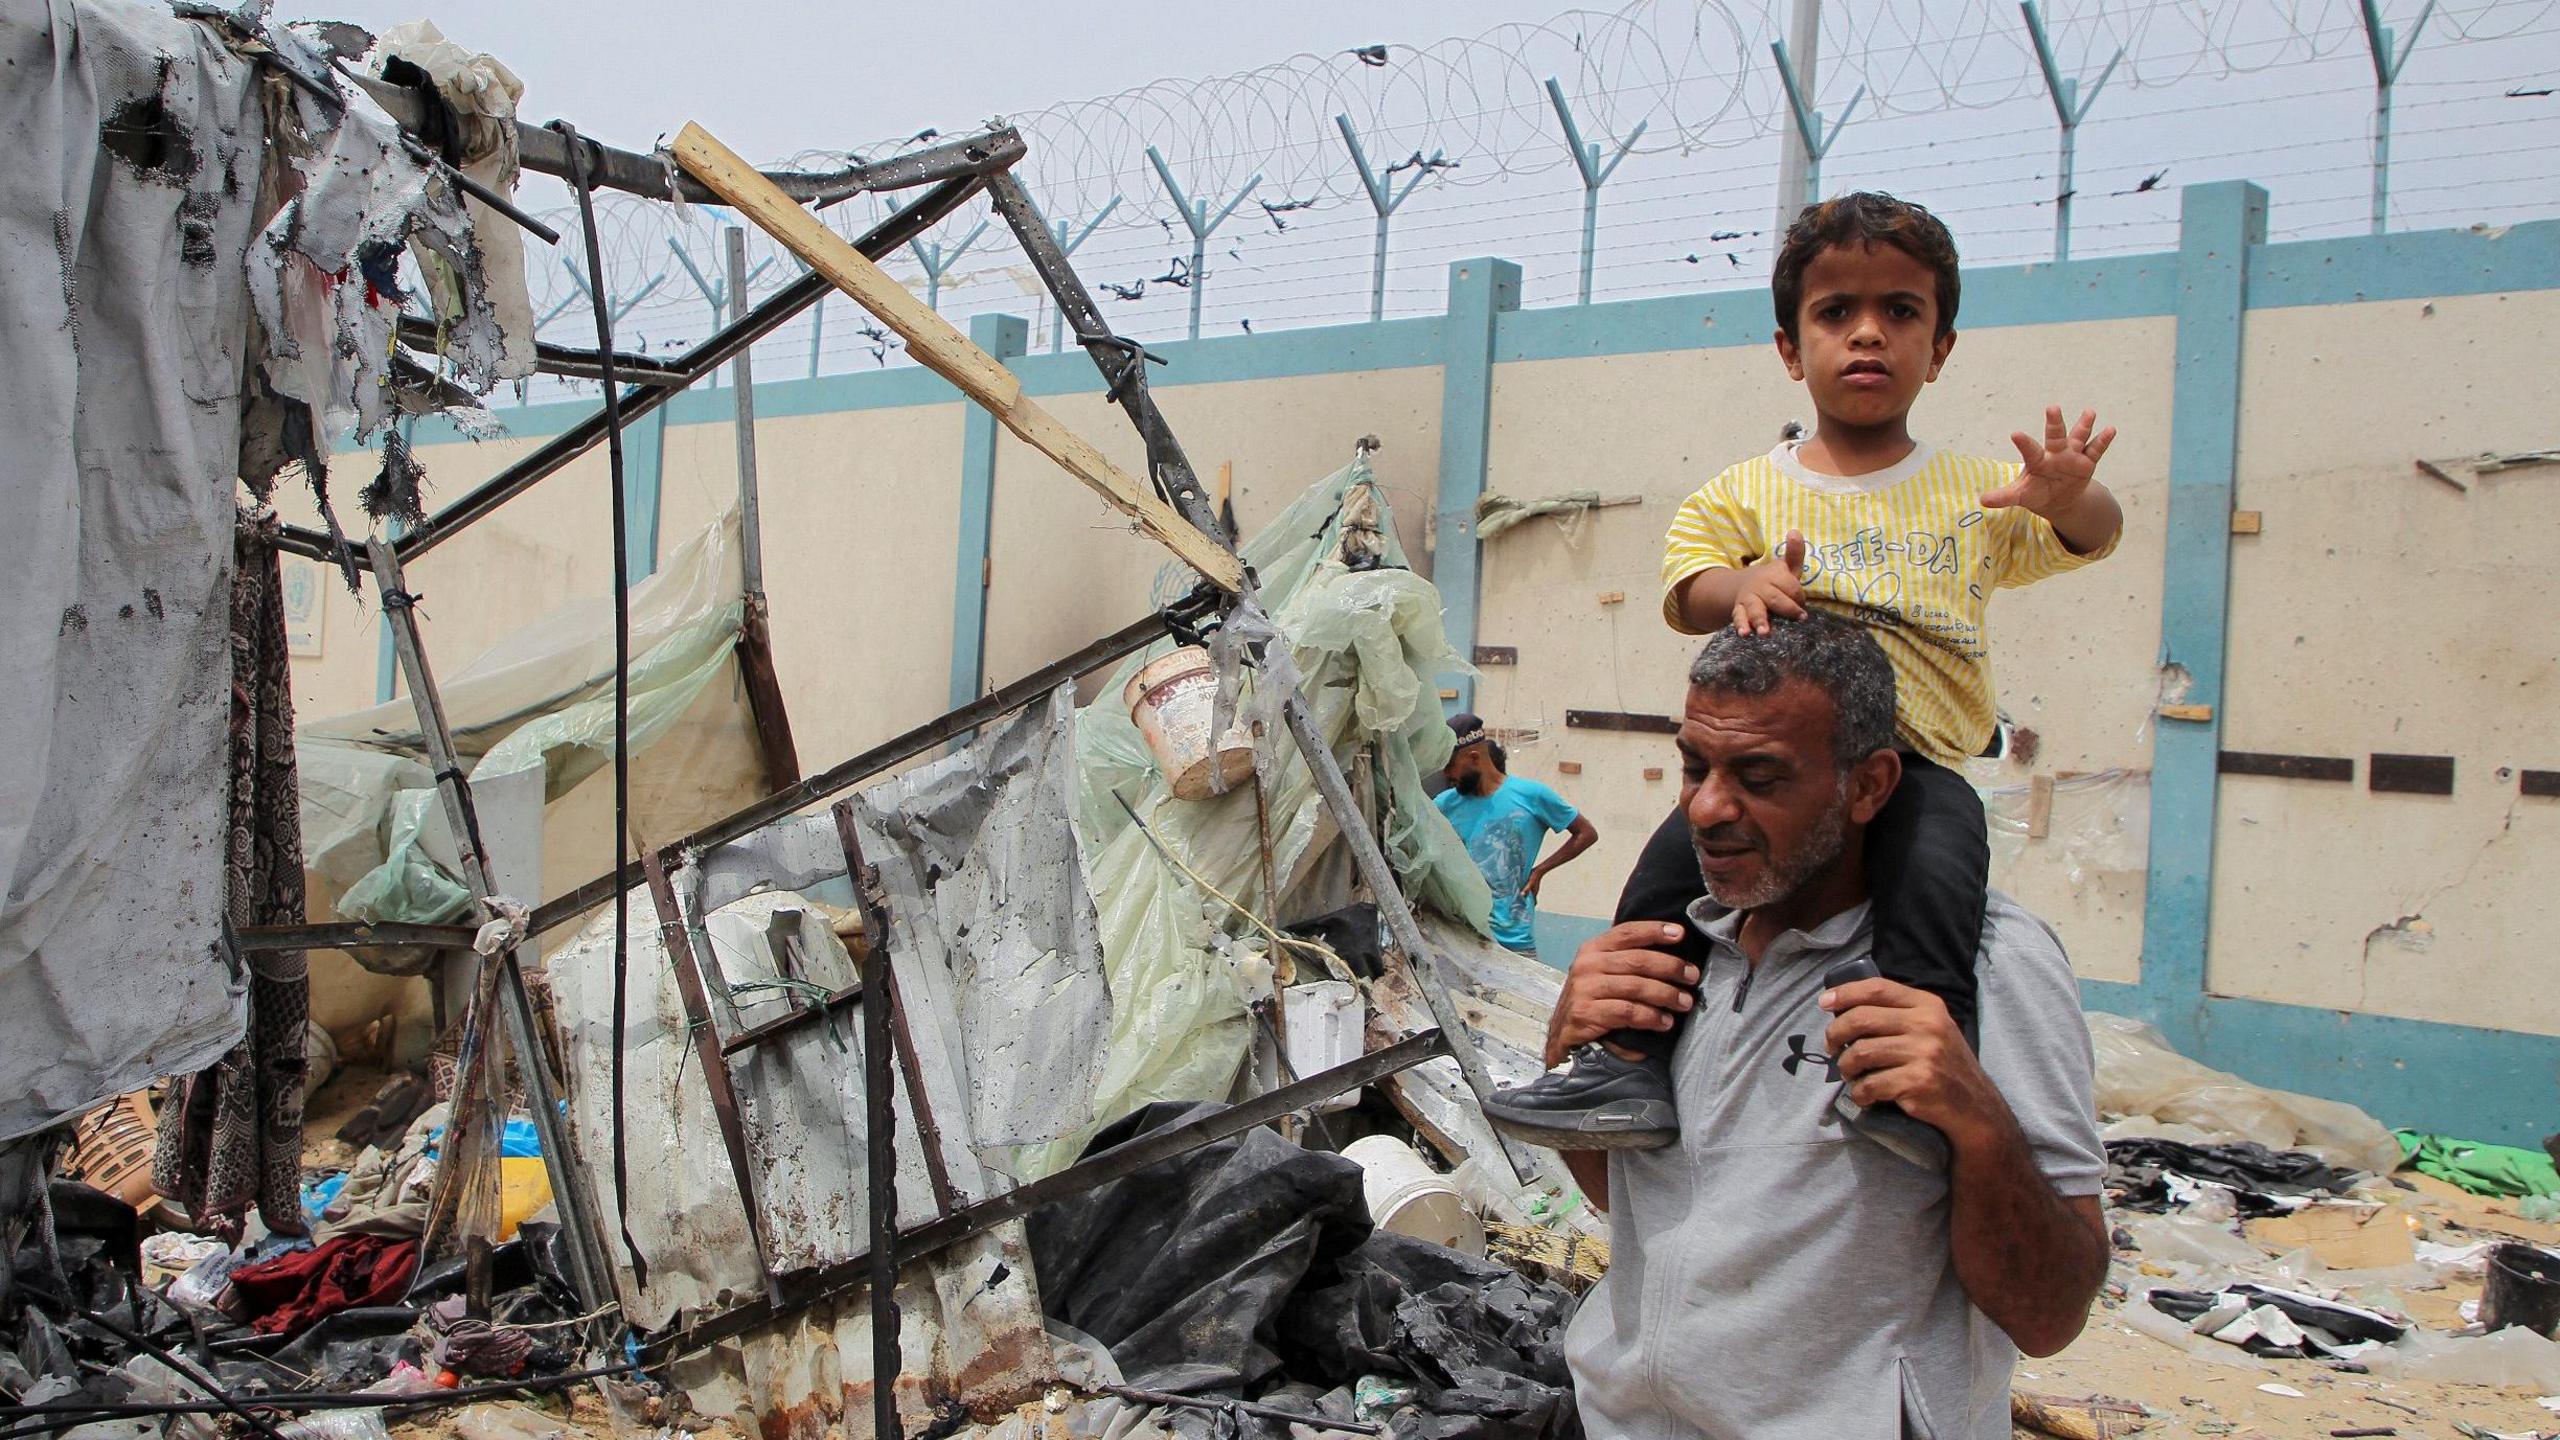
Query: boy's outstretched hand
[(1773, 587), (2058, 471), (2059, 480)]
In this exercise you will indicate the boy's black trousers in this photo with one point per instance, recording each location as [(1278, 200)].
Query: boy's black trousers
[(1928, 861)]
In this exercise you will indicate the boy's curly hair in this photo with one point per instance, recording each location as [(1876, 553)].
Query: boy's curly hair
[(1863, 218)]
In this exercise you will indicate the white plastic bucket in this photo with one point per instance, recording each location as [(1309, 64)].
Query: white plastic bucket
[(1409, 1198), (1173, 701), (1326, 1019)]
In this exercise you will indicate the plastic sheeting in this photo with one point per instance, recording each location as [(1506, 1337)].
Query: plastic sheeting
[(2164, 1093), (373, 834), (1250, 1266), (134, 145), (1366, 634), (992, 939)]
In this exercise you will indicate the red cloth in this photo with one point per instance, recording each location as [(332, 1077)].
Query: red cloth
[(292, 1292)]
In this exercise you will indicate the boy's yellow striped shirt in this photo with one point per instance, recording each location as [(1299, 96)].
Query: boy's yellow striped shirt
[(1907, 551)]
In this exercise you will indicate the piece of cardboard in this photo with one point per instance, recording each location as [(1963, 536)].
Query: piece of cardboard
[(2344, 1237)]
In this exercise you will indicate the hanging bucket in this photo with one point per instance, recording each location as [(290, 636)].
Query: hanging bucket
[(1173, 701), (1410, 1198)]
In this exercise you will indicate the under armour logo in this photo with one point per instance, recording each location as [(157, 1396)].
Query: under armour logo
[(1798, 1056)]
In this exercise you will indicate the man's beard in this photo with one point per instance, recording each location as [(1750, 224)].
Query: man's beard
[(1472, 783), (1782, 877)]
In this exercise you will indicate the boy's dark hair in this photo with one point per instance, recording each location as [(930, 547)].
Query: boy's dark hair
[(1863, 218)]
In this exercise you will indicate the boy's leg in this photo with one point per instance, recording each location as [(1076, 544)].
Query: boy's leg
[(1664, 885), (1605, 1102), (1928, 873)]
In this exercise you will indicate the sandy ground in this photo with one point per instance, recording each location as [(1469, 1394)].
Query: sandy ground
[(2111, 1358), (2200, 1398)]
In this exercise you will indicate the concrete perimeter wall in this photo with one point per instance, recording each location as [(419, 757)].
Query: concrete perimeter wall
[(2292, 599)]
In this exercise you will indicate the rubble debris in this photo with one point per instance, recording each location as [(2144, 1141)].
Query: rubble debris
[(2145, 1087), (2144, 1174), (2094, 1418), (1251, 1266)]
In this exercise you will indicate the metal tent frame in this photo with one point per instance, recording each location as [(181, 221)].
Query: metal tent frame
[(949, 175)]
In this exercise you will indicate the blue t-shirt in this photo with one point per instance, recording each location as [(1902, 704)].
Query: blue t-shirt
[(1504, 832)]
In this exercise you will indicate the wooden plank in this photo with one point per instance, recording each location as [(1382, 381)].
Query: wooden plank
[(1621, 720), (2544, 784), (1497, 655), (2200, 714), (2288, 767), (941, 348), (2247, 522), (2039, 806), (2410, 774)]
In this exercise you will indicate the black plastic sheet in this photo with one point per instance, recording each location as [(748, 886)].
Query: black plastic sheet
[(2261, 1177), (1249, 1268), (1182, 1269)]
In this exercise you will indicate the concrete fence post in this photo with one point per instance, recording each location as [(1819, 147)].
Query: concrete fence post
[(1006, 337), (1480, 291), (2219, 224)]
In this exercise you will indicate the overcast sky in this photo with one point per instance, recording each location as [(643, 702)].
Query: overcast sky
[(774, 77)]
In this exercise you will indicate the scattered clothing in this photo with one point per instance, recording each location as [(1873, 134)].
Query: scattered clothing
[(2500, 1170), (1503, 833), (2261, 1179), (2300, 1326), (467, 1345), (292, 1292), (234, 1138)]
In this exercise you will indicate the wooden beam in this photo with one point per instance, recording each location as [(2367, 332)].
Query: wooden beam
[(941, 348)]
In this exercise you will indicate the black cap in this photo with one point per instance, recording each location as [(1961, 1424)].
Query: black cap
[(1469, 728)]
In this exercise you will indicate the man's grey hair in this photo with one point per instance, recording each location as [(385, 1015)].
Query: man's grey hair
[(1836, 655)]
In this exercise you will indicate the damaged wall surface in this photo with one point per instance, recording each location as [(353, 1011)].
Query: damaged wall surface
[(2362, 355), (125, 209)]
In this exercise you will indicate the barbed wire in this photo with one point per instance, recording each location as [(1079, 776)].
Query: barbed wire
[(1473, 111)]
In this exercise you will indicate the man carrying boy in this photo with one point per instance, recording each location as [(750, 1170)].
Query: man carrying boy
[(1863, 521)]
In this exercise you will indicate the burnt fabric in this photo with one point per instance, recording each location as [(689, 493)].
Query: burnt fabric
[(1250, 1268), (2136, 1170), (292, 1292), (1484, 1345), (234, 1137), (1182, 1269), (134, 145)]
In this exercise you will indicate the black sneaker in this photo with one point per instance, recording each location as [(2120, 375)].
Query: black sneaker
[(1915, 1141), (1600, 1103)]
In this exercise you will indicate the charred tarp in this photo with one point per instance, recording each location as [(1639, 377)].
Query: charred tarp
[(204, 281), (135, 144)]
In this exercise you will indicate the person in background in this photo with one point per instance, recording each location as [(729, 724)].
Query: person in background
[(1505, 821)]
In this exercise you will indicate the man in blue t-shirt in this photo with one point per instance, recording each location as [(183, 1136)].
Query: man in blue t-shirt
[(1504, 821)]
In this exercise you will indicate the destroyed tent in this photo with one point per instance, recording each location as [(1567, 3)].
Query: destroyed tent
[(1033, 1010), (375, 840), (207, 269)]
